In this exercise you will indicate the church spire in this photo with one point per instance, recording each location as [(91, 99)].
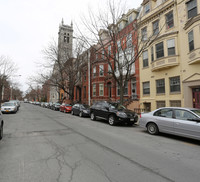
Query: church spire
[(62, 21)]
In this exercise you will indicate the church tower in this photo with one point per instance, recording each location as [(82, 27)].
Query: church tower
[(65, 41)]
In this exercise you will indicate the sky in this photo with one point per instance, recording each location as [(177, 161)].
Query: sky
[(27, 27)]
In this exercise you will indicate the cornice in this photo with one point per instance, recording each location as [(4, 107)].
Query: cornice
[(191, 21), (166, 35)]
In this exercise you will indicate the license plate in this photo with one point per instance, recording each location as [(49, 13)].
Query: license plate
[(131, 119), (7, 111)]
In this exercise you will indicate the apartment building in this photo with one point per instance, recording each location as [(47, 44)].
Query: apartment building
[(189, 13), (167, 65)]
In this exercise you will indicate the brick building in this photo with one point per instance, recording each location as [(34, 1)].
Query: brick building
[(97, 82)]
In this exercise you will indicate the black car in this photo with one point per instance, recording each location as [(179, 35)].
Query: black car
[(55, 106), (81, 110), (1, 126), (114, 113)]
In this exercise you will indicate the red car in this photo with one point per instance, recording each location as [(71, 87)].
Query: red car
[(65, 108)]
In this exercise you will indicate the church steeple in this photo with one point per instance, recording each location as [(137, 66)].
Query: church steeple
[(62, 22)]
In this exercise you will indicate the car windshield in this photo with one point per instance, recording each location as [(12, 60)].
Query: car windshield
[(117, 106), (85, 106), (57, 104), (8, 104), (67, 105), (196, 112)]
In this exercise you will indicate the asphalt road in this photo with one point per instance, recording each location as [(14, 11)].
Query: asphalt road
[(41, 145)]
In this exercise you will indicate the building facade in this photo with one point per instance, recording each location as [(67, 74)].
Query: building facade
[(97, 82), (65, 46), (170, 63)]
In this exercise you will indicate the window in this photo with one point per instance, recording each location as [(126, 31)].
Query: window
[(94, 90), (167, 113), (101, 70), (175, 103), (169, 20), (192, 8), (125, 89), (130, 18), (84, 92), (146, 88), (160, 104), (159, 50), (129, 40), (171, 47), (119, 45), (145, 59), (152, 54), (175, 84), (109, 69), (144, 34), (94, 71), (160, 86), (109, 50), (102, 56), (146, 8), (184, 115), (191, 40), (155, 27), (101, 89)]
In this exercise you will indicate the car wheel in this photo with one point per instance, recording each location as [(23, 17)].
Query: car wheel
[(152, 129), (92, 116), (81, 114), (1, 132), (111, 120)]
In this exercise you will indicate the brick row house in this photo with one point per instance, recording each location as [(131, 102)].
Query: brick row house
[(97, 82)]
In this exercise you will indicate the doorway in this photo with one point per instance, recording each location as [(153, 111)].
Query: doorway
[(196, 97)]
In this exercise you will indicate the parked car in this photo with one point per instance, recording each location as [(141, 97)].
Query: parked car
[(9, 107), (81, 110), (114, 113), (173, 120), (16, 102), (1, 126), (46, 105), (55, 106), (65, 108)]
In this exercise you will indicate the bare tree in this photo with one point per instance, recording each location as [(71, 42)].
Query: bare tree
[(62, 71), (7, 69), (119, 47)]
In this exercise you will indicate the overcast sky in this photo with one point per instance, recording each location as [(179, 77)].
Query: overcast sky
[(27, 26)]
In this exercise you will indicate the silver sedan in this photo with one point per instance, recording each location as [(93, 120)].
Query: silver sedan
[(9, 107), (173, 120)]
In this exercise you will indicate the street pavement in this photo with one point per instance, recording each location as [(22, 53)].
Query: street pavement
[(41, 145)]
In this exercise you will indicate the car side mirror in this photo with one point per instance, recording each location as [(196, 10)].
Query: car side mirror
[(107, 108)]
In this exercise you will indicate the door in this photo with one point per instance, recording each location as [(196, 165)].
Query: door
[(109, 90), (133, 89), (196, 98), (184, 124), (164, 119)]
